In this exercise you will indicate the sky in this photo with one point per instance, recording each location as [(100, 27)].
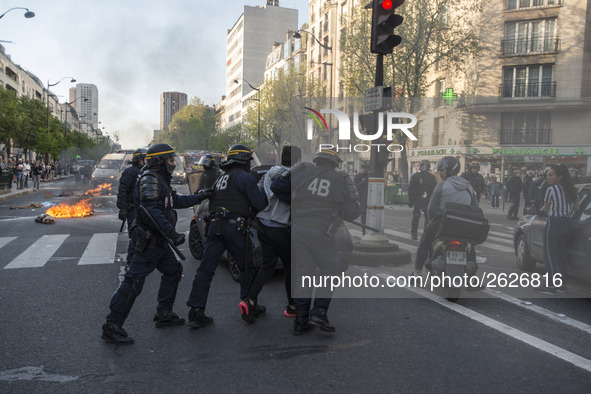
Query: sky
[(132, 50)]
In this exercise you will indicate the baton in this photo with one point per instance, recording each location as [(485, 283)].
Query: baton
[(363, 225), (122, 224), (155, 226)]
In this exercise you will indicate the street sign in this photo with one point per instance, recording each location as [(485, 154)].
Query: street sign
[(373, 99)]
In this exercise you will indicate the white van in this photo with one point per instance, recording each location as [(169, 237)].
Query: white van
[(110, 168)]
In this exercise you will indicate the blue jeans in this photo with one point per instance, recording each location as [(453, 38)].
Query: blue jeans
[(556, 234), (494, 202)]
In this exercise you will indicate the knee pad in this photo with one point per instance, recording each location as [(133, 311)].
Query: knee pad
[(137, 285)]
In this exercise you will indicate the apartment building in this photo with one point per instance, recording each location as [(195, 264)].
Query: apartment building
[(170, 104), (528, 105), (247, 44)]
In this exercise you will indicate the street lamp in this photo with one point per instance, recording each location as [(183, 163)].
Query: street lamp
[(259, 115), (48, 86), (28, 14)]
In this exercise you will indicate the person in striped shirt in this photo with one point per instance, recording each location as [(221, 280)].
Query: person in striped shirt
[(560, 201)]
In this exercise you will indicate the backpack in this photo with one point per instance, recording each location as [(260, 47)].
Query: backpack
[(461, 222)]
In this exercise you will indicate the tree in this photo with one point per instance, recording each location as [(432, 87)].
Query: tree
[(10, 117), (434, 32)]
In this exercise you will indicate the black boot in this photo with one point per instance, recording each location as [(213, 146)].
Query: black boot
[(112, 333), (198, 319), (166, 319), (301, 323), (318, 319)]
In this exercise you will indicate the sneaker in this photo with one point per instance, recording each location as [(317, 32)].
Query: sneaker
[(198, 319), (413, 236), (248, 311), (289, 311), (167, 319), (260, 311), (545, 290), (318, 319), (112, 333)]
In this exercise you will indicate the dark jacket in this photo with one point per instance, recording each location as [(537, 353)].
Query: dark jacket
[(420, 188)]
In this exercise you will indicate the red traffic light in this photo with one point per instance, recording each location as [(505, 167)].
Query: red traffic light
[(387, 5)]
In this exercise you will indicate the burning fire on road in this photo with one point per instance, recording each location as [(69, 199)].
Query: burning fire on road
[(104, 188), (81, 209)]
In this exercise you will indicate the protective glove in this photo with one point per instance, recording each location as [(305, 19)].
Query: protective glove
[(410, 204), (122, 215), (206, 193), (177, 238)]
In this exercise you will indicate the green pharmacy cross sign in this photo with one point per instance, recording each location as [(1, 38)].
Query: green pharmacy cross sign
[(449, 96)]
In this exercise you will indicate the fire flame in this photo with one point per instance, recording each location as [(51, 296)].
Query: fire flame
[(83, 208), (99, 190)]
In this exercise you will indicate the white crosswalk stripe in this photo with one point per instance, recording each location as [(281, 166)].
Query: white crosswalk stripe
[(39, 252), (100, 249), (6, 240)]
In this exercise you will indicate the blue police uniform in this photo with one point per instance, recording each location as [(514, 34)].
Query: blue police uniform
[(125, 200)]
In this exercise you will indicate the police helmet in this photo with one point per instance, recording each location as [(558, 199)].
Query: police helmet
[(238, 154), (158, 155), (138, 155), (451, 164), (475, 164), (207, 161), (425, 165), (530, 173), (327, 154)]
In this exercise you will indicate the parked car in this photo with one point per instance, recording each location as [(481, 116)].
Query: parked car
[(179, 175), (528, 239)]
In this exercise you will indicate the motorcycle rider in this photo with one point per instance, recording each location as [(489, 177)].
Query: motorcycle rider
[(152, 192), (125, 195), (322, 196), (475, 179), (420, 189), (237, 199), (452, 188)]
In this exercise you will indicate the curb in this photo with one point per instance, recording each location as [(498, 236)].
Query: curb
[(391, 258), (11, 195)]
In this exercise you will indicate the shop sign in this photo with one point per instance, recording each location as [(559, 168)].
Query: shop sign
[(525, 151), (431, 152)]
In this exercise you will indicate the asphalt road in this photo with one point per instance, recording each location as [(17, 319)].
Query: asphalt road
[(412, 341)]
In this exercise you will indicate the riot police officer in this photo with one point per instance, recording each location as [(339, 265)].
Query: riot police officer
[(420, 189), (210, 172), (154, 225), (125, 194), (237, 198), (322, 196), (475, 179)]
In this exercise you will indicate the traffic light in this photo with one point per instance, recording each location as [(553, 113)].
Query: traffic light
[(384, 20)]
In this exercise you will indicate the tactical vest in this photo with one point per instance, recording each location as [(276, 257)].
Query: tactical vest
[(228, 196), (317, 193), (169, 198)]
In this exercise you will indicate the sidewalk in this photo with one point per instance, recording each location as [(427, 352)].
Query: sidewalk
[(14, 192)]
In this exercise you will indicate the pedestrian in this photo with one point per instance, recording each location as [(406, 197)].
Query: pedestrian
[(125, 196), (537, 190), (475, 179), (26, 173), (452, 188), (155, 224), (528, 179), (20, 167), (513, 191), (273, 225), (76, 169), (86, 173), (322, 198), (361, 181), (494, 190), (420, 189), (236, 200), (559, 203), (2, 165), (37, 170), (395, 177)]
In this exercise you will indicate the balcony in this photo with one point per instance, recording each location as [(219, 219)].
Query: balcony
[(526, 137), (528, 90), (530, 46)]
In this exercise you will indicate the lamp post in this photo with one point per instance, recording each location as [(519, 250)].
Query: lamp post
[(28, 14), (48, 86), (259, 111)]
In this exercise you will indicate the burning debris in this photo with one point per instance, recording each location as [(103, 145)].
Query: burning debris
[(81, 209), (45, 219), (31, 205), (104, 188)]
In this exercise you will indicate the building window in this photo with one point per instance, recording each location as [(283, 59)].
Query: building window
[(530, 37), (519, 128), (528, 81), (520, 4), (438, 131), (439, 90)]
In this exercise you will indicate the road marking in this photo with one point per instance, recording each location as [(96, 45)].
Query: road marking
[(410, 248), (5, 240), (542, 311), (521, 336), (502, 240), (100, 249), (39, 253), (506, 235)]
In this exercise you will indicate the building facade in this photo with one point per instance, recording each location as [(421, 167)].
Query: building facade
[(247, 44), (170, 104)]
